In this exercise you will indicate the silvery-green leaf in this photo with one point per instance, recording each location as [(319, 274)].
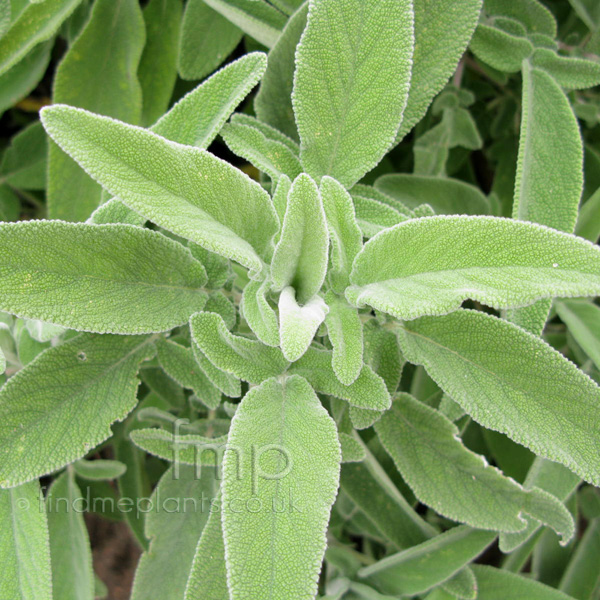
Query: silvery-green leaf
[(43, 332), (218, 269), (531, 13), (267, 130), (114, 211), (259, 314), (588, 223), (374, 216), (583, 321), (225, 382), (431, 265), (352, 451), (511, 381), (501, 49), (277, 552), (348, 47), (570, 72)]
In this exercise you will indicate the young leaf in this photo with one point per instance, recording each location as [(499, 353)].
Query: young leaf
[(501, 49), (258, 19), (245, 358), (181, 504), (426, 565), (583, 321), (511, 381), (24, 544), (368, 390), (456, 482), (37, 23), (440, 41), (97, 387), (446, 260), (120, 278), (374, 216), (157, 70), (207, 38), (71, 556), (349, 47), (98, 73), (571, 73), (259, 314), (294, 491), (344, 328), (273, 103), (298, 324), (300, 257), (187, 191)]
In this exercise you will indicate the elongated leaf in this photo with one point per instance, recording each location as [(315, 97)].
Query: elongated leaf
[(440, 41), (24, 544), (24, 162), (96, 470), (259, 314), (298, 324), (70, 552), (374, 216), (97, 386), (267, 130), (37, 23), (187, 191), (446, 196), (571, 73), (181, 504), (368, 390), (273, 103), (119, 278), (98, 73), (510, 381), (422, 567), (344, 131), (588, 223), (207, 38), (300, 257), (157, 70), (114, 211), (458, 483), (225, 382), (583, 321), (443, 261), (198, 117), (245, 358), (257, 18), (295, 492)]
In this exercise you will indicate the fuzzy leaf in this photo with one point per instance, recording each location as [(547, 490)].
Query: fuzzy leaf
[(426, 565), (225, 382), (97, 386), (571, 73), (535, 17), (259, 314), (271, 552), (511, 381), (446, 260), (119, 278), (348, 47), (114, 211), (269, 132), (501, 49), (207, 38), (298, 324), (187, 191), (588, 223), (300, 257), (352, 451), (245, 358), (374, 216), (583, 321), (99, 469), (24, 162), (24, 544), (456, 482)]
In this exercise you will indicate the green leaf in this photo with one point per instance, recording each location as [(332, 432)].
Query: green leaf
[(37, 23), (24, 544), (531, 13), (446, 196), (23, 164), (5, 14), (258, 312), (431, 265), (273, 103), (198, 117), (300, 257), (298, 324), (181, 504), (345, 331), (120, 278), (570, 72), (440, 42), (279, 419), (352, 451), (114, 211), (258, 19), (374, 216), (98, 73), (456, 482), (510, 381), (218, 269), (350, 46), (494, 584), (70, 552), (97, 387), (99, 469), (583, 321), (157, 70), (208, 575), (207, 38), (368, 390), (426, 565), (269, 132), (267, 155), (187, 191), (588, 223), (344, 232), (225, 382), (245, 358), (179, 363), (501, 49)]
